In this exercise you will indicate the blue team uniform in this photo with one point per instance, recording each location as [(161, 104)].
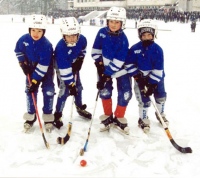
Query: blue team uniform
[(64, 57), (150, 61), (38, 54), (112, 50)]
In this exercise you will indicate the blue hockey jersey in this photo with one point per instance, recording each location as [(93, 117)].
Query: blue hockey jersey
[(148, 60), (38, 54), (65, 56), (112, 49)]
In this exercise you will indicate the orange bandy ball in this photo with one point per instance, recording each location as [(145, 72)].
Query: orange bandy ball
[(83, 163)]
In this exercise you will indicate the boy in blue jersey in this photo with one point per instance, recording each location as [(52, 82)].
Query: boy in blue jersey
[(69, 55), (34, 53), (145, 62), (109, 51)]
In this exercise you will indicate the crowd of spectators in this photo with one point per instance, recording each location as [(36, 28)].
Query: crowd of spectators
[(57, 13), (167, 15)]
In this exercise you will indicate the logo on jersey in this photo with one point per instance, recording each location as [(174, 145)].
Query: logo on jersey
[(137, 51), (102, 35), (25, 44), (70, 51)]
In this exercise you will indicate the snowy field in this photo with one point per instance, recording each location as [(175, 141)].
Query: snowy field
[(109, 154)]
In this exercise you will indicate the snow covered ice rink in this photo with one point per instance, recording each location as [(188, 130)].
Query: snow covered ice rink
[(109, 154)]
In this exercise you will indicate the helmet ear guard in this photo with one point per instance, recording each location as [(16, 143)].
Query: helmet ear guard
[(147, 25)]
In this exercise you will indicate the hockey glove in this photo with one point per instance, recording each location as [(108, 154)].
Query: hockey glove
[(100, 68), (141, 80), (34, 86), (150, 89), (26, 69), (101, 83), (76, 66), (72, 89)]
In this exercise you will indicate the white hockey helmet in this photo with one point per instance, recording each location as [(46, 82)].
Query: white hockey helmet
[(70, 26), (147, 25), (117, 13), (38, 21)]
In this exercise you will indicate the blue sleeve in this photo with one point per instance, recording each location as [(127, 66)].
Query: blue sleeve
[(20, 49), (64, 63), (97, 47), (131, 62), (157, 72), (84, 47)]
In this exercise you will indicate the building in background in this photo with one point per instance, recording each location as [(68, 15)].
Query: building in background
[(182, 5), (48, 7)]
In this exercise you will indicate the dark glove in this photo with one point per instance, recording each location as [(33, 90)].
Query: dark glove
[(101, 83), (76, 66), (34, 86), (141, 80), (26, 69), (72, 89), (150, 89), (100, 68)]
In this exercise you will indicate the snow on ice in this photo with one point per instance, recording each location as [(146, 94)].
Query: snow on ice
[(109, 154)]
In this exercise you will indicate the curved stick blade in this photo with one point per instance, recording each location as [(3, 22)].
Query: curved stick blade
[(179, 148), (64, 140), (81, 152)]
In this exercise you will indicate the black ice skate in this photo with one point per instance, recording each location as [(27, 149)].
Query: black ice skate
[(58, 123), (105, 122), (144, 124), (82, 112), (121, 124), (164, 119)]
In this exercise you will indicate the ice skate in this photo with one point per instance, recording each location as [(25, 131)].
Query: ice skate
[(163, 117), (48, 126), (82, 112), (58, 123), (105, 122), (144, 124), (48, 122), (121, 124), (30, 119), (28, 125)]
